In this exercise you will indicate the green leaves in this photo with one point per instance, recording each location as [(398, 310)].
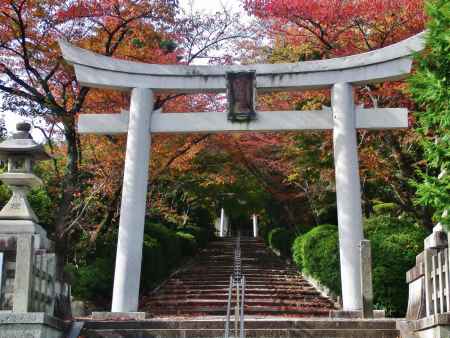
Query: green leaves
[(395, 243), (430, 88)]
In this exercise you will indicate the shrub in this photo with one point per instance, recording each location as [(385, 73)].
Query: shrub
[(263, 232), (188, 243), (154, 264), (93, 281), (202, 235), (280, 239), (395, 244), (317, 254), (42, 204), (168, 240), (298, 252), (163, 250), (5, 194)]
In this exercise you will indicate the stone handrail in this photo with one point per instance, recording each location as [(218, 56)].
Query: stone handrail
[(30, 283), (429, 284)]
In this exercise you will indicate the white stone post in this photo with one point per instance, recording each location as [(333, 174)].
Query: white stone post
[(255, 225), (134, 197), (348, 194), (23, 280), (222, 223), (366, 278)]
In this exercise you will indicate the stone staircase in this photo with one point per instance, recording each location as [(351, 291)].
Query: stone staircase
[(273, 288), (280, 303)]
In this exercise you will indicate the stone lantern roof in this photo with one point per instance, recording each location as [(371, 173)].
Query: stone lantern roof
[(21, 143)]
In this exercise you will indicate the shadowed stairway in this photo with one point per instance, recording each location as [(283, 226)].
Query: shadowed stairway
[(273, 287), (279, 303)]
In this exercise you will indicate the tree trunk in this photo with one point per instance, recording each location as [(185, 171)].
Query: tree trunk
[(68, 188)]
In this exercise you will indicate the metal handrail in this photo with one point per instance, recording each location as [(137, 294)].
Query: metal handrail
[(227, 322), (242, 319), (237, 280)]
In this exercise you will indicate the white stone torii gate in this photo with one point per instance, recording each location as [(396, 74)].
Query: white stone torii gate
[(340, 74)]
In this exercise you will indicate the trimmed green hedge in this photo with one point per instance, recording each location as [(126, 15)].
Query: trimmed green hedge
[(188, 243), (317, 254), (281, 239), (168, 240), (163, 250), (395, 244), (202, 235)]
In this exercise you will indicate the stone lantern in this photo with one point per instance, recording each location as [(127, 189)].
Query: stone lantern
[(20, 152)]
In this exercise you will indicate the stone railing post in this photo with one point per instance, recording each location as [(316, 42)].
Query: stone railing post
[(366, 278), (23, 286)]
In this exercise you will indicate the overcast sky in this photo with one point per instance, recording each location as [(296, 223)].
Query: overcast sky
[(197, 5), (210, 5)]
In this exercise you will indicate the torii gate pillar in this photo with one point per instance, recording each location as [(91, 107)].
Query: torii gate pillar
[(127, 274), (348, 194)]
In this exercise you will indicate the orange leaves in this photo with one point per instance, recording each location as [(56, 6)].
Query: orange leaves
[(83, 9), (303, 30), (111, 10), (372, 167), (103, 160), (341, 27)]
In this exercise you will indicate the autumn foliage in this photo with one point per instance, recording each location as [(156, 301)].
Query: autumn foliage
[(337, 28), (286, 178)]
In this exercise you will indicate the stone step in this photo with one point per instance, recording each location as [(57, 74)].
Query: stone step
[(272, 287), (224, 285), (255, 269), (220, 310), (249, 264), (249, 292), (180, 291), (257, 333), (254, 279), (248, 296), (249, 303), (250, 323), (247, 272), (250, 283), (248, 277)]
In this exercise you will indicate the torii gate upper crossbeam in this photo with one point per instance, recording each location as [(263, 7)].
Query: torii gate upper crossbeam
[(388, 63)]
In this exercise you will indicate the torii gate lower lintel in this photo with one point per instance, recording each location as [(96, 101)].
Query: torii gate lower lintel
[(340, 74)]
